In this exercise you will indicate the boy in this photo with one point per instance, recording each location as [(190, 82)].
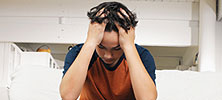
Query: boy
[(109, 65)]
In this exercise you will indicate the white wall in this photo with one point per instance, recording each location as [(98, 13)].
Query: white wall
[(207, 35), (5, 63), (220, 10), (218, 40), (49, 21), (2, 69)]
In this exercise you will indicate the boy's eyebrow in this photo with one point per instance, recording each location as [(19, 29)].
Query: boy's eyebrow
[(116, 46), (112, 47)]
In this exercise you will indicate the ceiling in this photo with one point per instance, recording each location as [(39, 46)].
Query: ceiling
[(161, 0)]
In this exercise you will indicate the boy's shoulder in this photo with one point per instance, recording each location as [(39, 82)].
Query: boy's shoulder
[(141, 49)]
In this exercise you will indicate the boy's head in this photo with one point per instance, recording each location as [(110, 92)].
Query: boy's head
[(113, 13)]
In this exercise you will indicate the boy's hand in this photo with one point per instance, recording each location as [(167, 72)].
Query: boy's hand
[(95, 33), (126, 39)]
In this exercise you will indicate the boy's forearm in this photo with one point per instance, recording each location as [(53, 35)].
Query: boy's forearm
[(142, 83), (74, 78)]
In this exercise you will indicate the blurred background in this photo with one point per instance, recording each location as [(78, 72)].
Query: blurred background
[(184, 37), (174, 31)]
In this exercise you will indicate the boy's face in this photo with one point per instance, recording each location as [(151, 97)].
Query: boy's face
[(109, 49)]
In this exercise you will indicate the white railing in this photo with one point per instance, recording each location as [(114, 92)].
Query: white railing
[(11, 57)]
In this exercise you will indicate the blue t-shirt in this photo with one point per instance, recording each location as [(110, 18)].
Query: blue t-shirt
[(144, 54)]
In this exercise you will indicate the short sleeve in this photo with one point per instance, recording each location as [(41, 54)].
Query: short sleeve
[(70, 57), (148, 62)]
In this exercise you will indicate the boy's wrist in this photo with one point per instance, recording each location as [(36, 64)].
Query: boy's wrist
[(90, 44), (128, 47)]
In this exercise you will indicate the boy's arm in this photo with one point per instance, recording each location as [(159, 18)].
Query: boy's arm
[(74, 78), (143, 85)]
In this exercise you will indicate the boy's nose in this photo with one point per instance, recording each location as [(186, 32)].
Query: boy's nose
[(108, 55)]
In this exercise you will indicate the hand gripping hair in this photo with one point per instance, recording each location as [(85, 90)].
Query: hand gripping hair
[(113, 13)]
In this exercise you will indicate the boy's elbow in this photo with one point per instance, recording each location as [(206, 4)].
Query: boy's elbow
[(153, 97), (68, 97), (148, 97)]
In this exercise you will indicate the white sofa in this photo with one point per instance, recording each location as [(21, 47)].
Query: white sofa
[(41, 83), (34, 82), (188, 85), (4, 93)]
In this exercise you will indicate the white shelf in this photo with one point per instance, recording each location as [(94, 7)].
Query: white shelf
[(11, 57), (38, 58)]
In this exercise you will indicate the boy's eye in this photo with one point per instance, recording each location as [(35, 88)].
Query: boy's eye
[(117, 48), (101, 47)]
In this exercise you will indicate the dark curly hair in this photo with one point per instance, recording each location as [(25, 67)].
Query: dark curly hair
[(111, 14)]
